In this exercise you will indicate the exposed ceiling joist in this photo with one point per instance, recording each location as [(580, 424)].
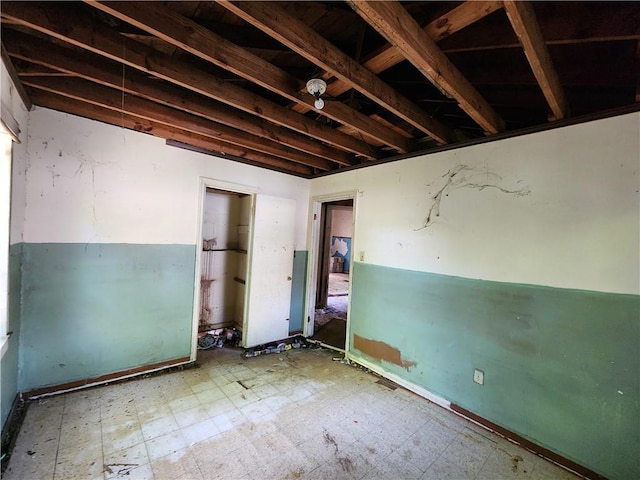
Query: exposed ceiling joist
[(394, 23), (445, 25), (197, 40), (76, 107), (109, 98), (15, 78), (442, 27), (204, 77), (274, 20), (86, 65), (561, 23), (83, 32), (523, 20)]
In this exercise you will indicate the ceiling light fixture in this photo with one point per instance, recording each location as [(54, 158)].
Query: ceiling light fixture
[(316, 87)]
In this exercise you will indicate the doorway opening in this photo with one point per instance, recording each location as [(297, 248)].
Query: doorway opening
[(223, 265), (333, 268)]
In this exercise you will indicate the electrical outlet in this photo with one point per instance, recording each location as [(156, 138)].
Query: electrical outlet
[(478, 376)]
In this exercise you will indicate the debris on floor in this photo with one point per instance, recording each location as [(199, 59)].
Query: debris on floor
[(277, 347), (219, 338)]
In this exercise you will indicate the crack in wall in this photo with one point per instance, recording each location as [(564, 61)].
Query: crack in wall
[(463, 176)]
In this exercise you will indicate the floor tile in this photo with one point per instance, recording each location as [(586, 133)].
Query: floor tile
[(184, 403), (164, 445), (160, 426), (295, 415), (229, 420), (78, 434), (80, 463), (193, 415), (120, 437), (243, 398), (210, 394), (220, 406), (142, 472), (134, 455), (175, 465), (200, 431)]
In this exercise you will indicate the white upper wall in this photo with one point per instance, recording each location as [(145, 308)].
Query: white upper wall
[(92, 182), (12, 101), (558, 208)]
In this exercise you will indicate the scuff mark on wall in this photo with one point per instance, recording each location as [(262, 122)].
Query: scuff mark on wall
[(464, 176), (86, 164), (381, 351)]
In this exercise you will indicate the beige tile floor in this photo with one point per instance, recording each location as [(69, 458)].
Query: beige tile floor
[(292, 415)]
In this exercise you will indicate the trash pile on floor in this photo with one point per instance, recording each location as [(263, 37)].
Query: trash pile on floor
[(219, 338), (277, 347)]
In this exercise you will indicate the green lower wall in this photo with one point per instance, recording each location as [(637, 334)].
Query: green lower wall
[(93, 309), (9, 363), (298, 290), (562, 367)]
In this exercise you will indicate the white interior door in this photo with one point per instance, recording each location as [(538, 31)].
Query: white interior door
[(269, 279)]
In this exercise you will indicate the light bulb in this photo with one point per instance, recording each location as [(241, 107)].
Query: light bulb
[(319, 103)]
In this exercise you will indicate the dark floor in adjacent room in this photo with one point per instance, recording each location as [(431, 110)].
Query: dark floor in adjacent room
[(297, 414), (330, 323)]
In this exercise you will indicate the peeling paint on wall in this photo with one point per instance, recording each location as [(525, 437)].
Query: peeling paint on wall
[(463, 176), (381, 351)]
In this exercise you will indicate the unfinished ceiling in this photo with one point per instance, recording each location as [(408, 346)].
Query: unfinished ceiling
[(229, 77)]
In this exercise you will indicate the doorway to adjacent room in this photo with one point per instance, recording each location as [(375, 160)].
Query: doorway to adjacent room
[(334, 247)]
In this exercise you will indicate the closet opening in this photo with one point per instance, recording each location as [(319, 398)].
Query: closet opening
[(223, 266)]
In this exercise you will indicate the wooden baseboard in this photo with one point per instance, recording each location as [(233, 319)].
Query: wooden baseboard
[(183, 362), (529, 445), (11, 428)]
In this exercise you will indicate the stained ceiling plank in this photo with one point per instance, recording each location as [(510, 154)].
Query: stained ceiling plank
[(524, 23), (79, 30), (274, 20), (105, 97), (443, 26), (94, 112), (561, 23), (393, 22), (182, 32), (109, 73)]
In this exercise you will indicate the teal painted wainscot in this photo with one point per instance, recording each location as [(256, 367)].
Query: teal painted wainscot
[(93, 309), (561, 366), (298, 291)]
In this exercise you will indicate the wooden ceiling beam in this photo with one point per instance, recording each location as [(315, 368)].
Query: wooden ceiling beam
[(89, 92), (188, 35), (443, 26), (561, 23), (131, 122), (105, 72), (394, 23), (14, 77), (271, 18), (71, 26), (524, 23)]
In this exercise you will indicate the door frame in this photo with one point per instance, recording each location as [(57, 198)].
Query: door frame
[(315, 230), (203, 184)]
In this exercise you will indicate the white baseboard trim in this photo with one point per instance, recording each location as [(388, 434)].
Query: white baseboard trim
[(432, 397)]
